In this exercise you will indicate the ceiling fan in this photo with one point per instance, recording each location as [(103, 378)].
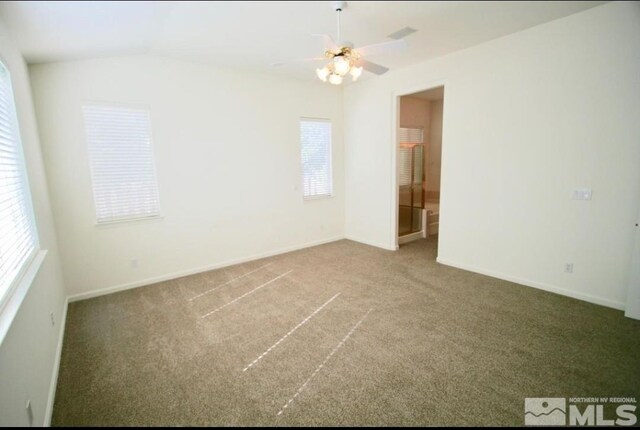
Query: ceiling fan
[(345, 59)]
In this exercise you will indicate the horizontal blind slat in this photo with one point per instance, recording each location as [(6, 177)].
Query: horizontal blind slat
[(411, 135), (407, 135), (17, 234), (121, 159), (315, 137)]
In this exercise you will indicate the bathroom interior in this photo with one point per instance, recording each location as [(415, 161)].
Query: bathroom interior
[(419, 161)]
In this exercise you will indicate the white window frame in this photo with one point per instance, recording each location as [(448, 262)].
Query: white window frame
[(12, 297), (330, 153), (127, 219)]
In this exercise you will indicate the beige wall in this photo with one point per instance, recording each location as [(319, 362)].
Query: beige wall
[(29, 350), (415, 112)]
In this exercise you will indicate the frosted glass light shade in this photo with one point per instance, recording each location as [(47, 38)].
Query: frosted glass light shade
[(355, 72), (335, 79), (341, 65), (323, 73)]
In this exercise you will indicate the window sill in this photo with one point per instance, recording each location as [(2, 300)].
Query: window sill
[(121, 222), (323, 197), (12, 306)]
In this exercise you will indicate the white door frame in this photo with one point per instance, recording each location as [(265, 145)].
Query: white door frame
[(632, 308), (395, 148)]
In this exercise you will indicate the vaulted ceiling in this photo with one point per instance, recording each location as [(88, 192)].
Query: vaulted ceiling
[(253, 35)]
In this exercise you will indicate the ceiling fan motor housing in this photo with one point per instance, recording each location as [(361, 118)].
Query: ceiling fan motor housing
[(345, 49), (338, 5)]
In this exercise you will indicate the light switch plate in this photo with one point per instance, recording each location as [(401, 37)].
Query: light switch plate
[(581, 194)]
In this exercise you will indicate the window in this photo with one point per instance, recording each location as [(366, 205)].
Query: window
[(410, 135), (407, 138), (18, 237), (315, 138), (121, 158)]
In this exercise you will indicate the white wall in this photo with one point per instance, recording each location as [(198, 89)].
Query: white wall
[(227, 155), (527, 118), (633, 294), (29, 350)]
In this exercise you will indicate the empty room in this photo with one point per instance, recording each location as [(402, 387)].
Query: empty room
[(368, 213)]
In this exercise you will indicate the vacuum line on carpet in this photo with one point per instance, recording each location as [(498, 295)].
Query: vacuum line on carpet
[(302, 387), (303, 322), (228, 282), (245, 295)]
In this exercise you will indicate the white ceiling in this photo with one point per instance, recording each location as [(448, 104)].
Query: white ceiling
[(252, 35)]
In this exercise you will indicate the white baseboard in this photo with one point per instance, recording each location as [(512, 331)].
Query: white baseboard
[(56, 367), (411, 237), (539, 285), (377, 245), (180, 274)]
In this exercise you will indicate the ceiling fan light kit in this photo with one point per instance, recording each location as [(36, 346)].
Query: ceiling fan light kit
[(345, 60), (342, 63)]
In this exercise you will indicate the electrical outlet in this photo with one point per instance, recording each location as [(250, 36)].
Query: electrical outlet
[(53, 319), (134, 263), (29, 413), (568, 268)]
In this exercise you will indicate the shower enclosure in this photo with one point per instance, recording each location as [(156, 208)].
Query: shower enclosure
[(411, 181)]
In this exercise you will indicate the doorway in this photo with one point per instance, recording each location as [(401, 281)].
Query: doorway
[(419, 164)]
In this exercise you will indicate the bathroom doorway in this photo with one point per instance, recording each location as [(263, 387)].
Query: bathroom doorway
[(419, 164)]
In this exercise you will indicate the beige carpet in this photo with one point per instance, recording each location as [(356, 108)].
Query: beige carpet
[(339, 334)]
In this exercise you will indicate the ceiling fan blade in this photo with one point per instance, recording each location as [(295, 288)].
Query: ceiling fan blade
[(301, 60), (382, 48), (372, 67), (329, 43)]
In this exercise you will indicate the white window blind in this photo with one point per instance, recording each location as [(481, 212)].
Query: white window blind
[(410, 135), (18, 238), (122, 165), (406, 136), (315, 138)]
